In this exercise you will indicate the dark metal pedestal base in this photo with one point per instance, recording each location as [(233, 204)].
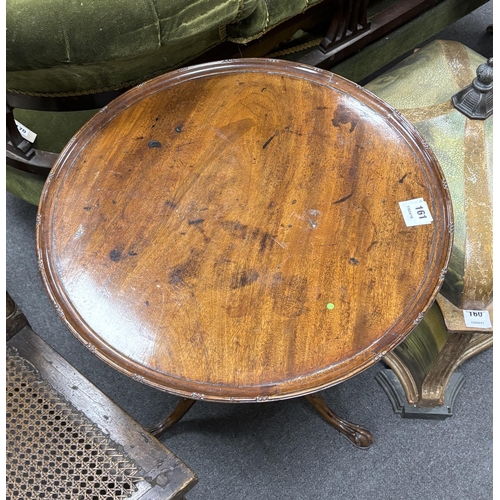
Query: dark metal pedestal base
[(394, 390)]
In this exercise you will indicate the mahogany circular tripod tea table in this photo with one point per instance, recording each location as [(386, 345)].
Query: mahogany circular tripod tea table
[(245, 231)]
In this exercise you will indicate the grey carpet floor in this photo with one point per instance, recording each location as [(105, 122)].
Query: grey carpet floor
[(284, 450)]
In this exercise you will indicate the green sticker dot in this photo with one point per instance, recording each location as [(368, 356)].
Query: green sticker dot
[(330, 306)]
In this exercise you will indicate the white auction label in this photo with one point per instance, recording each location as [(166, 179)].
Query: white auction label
[(477, 319), (28, 134), (415, 212)]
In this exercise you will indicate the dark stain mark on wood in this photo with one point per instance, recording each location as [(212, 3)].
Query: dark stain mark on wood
[(116, 254), (169, 204), (344, 115), (269, 140), (188, 269), (265, 239), (342, 199), (132, 253), (288, 129), (87, 208), (114, 202), (235, 227), (176, 277), (179, 127), (294, 201), (154, 144), (147, 303), (197, 223), (243, 279), (402, 178), (354, 261), (244, 232)]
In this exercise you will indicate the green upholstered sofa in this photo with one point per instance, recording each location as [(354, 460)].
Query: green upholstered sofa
[(68, 58), (76, 47)]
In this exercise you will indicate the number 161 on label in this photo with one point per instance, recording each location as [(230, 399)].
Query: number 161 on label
[(415, 212)]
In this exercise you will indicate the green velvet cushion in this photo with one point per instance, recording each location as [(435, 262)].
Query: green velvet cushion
[(81, 46), (267, 15), (75, 47)]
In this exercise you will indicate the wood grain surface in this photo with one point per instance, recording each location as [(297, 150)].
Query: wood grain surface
[(232, 231)]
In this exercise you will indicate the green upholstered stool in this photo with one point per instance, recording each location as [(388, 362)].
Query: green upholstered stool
[(421, 88)]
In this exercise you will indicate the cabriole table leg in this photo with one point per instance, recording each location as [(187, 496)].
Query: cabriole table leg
[(359, 436), (183, 406)]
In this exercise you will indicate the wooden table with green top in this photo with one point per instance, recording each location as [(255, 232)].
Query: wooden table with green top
[(245, 231)]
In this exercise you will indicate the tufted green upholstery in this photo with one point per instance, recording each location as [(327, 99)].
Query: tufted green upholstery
[(75, 47), (268, 14), (78, 47)]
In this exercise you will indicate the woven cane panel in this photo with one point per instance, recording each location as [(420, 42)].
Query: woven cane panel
[(54, 450)]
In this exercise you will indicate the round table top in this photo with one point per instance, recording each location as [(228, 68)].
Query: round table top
[(234, 231)]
